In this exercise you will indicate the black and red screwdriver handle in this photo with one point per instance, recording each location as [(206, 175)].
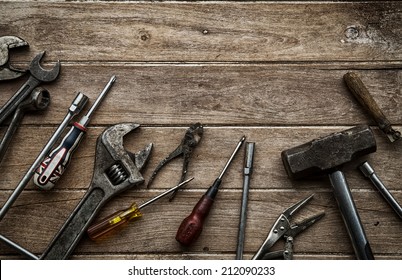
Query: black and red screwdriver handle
[(51, 169)]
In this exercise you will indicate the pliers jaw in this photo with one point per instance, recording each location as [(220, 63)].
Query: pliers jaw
[(283, 228)]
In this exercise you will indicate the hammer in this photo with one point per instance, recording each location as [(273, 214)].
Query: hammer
[(326, 155)]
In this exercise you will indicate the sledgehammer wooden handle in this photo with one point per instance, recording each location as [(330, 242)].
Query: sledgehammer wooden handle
[(364, 97)]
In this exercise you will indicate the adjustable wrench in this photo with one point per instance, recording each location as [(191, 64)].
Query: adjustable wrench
[(7, 72), (115, 170), (38, 101), (38, 76)]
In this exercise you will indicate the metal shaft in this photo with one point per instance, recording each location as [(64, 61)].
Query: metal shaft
[(369, 172), (76, 107), (350, 216), (17, 247), (248, 168), (231, 157), (164, 193), (85, 119)]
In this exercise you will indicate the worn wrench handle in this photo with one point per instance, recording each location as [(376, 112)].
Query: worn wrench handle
[(350, 216), (12, 104), (76, 225)]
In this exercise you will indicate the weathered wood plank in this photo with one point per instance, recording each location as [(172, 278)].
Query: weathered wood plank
[(155, 232), (219, 95), (208, 158), (228, 31)]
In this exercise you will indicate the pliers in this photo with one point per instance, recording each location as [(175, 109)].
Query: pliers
[(191, 139), (283, 228)]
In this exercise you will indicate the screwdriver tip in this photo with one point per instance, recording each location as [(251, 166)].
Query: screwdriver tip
[(113, 79)]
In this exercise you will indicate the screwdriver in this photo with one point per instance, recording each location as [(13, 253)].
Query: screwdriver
[(123, 216), (54, 165), (191, 227)]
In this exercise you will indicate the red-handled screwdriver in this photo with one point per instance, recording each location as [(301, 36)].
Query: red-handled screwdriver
[(54, 165), (191, 227)]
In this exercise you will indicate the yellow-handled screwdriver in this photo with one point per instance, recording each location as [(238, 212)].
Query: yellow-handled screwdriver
[(123, 216)]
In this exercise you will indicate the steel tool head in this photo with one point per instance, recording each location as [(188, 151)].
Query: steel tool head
[(39, 100), (327, 153), (120, 167), (7, 72), (42, 74)]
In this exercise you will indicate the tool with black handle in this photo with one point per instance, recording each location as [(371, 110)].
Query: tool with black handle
[(191, 227), (51, 169)]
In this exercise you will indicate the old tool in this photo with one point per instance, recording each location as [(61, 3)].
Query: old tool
[(191, 227), (38, 101), (121, 217), (326, 155), (283, 228), (364, 97), (369, 172), (191, 139), (18, 247), (247, 171), (115, 170), (7, 72), (53, 167), (76, 107), (37, 76)]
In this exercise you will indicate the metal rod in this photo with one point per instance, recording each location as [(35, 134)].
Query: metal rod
[(232, 156), (78, 103), (20, 249), (369, 172), (164, 193), (248, 169)]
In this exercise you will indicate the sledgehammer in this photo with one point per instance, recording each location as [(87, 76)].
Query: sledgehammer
[(326, 155)]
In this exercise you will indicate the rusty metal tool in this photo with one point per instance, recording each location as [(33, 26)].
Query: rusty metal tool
[(37, 76), (38, 101), (191, 139), (283, 228), (115, 170), (369, 172), (326, 155), (76, 106), (191, 227), (54, 165), (7, 72), (364, 97), (247, 171), (121, 217)]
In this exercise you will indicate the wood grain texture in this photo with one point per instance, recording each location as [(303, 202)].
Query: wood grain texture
[(269, 70), (229, 31)]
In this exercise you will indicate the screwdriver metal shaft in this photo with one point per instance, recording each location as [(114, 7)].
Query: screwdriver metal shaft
[(51, 169), (123, 216), (191, 227)]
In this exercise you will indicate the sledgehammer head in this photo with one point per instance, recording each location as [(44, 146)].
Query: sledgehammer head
[(327, 153)]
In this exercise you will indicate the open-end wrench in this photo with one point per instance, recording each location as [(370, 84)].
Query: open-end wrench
[(38, 76), (115, 170), (7, 72), (76, 106), (38, 101)]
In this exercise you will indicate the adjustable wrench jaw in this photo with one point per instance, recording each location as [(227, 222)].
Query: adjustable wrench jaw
[(114, 166), (7, 72)]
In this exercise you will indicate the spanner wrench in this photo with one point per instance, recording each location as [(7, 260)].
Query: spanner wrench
[(7, 72), (115, 170), (38, 101), (37, 76)]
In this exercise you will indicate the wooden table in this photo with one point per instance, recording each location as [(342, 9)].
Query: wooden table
[(269, 70)]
